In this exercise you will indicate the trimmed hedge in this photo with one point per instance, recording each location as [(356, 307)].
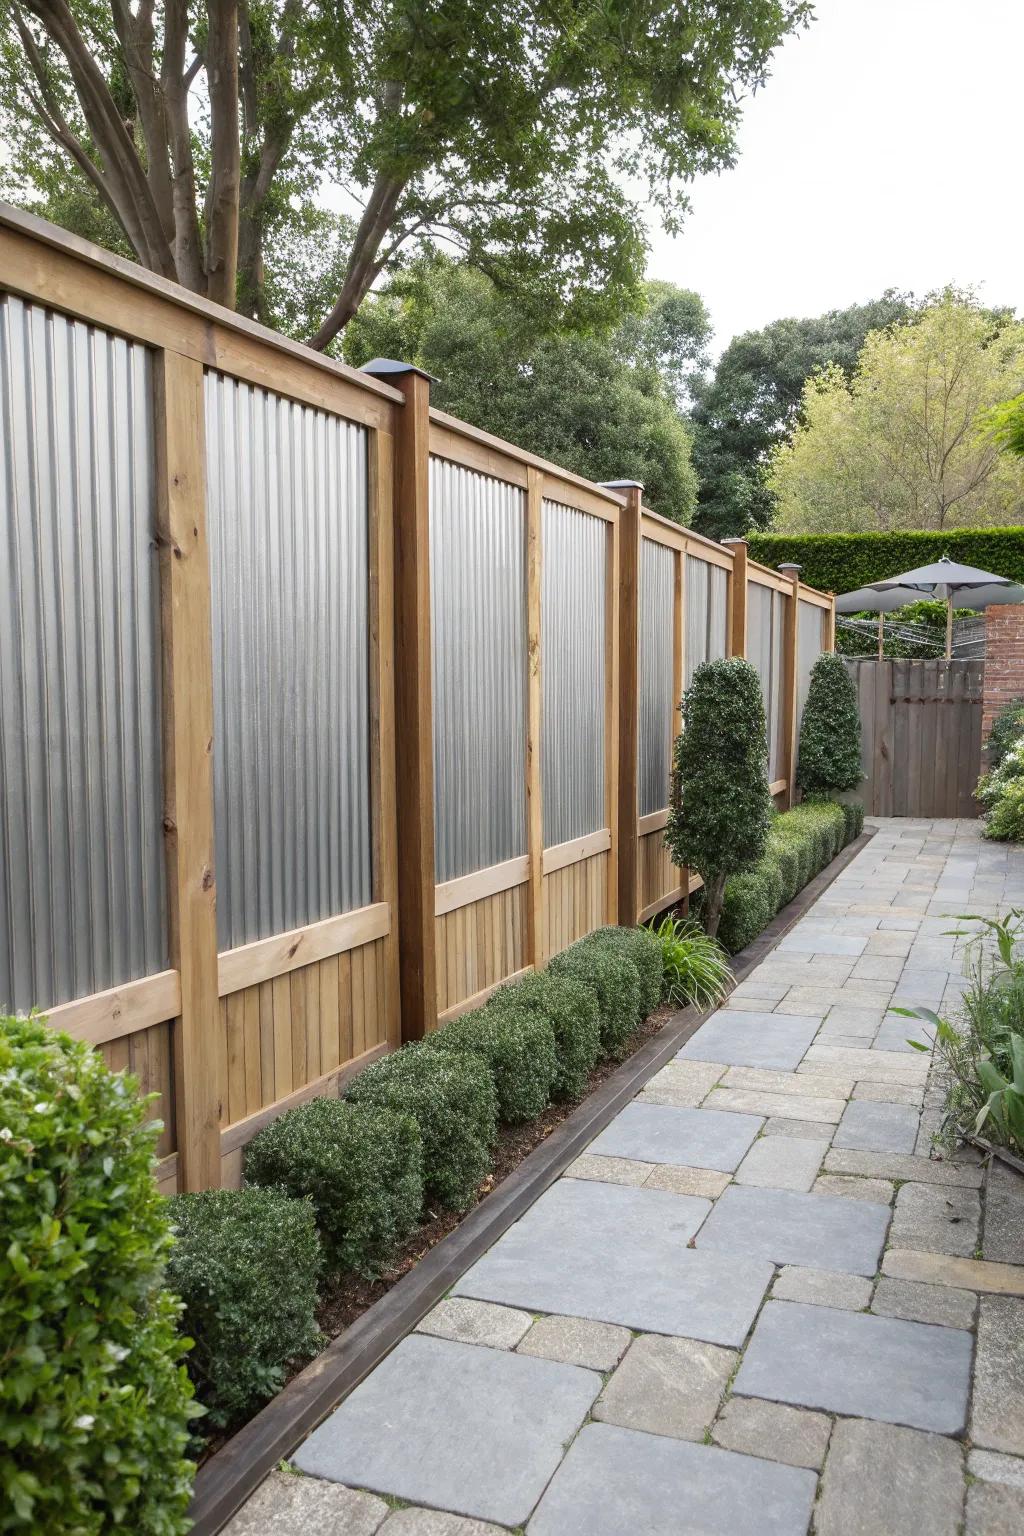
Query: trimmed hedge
[(517, 1045), (641, 946), (245, 1263), (829, 747), (94, 1400), (615, 982), (450, 1095), (841, 562), (801, 842), (362, 1167), (570, 1007)]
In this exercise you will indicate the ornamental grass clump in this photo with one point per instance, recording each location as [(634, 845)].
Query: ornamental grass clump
[(451, 1096), (570, 1007), (95, 1402), (517, 1046), (640, 946), (361, 1166), (694, 966), (721, 808), (613, 979), (829, 749)]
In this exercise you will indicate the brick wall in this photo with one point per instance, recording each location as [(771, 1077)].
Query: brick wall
[(1004, 660)]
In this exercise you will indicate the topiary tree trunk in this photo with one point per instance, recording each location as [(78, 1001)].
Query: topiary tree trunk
[(829, 758), (720, 807)]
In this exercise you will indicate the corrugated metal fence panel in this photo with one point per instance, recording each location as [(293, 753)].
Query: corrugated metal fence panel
[(478, 609), (777, 722), (696, 615), (81, 854), (809, 644), (574, 556), (759, 639), (289, 551), (718, 613), (656, 704)]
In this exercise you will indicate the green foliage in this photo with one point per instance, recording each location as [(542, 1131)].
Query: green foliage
[(450, 1095), (1000, 792), (360, 1165), (570, 1007), (720, 807), (94, 1402), (751, 901), (245, 1263), (1005, 821), (694, 966), (801, 842), (1006, 730), (613, 979), (841, 562), (639, 945), (829, 759), (1005, 422), (517, 1045), (853, 812)]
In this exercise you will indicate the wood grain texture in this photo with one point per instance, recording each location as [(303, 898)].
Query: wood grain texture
[(790, 666), (479, 945), (577, 900), (920, 735), (536, 927), (738, 597), (266, 958), (661, 882), (627, 703), (120, 1010), (149, 1055)]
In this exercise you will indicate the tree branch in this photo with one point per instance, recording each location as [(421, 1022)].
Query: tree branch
[(224, 190)]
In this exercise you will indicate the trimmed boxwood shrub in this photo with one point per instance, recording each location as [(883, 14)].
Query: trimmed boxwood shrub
[(94, 1401), (640, 946), (245, 1263), (751, 901), (517, 1046), (450, 1095), (829, 760), (853, 814), (615, 983), (570, 1007), (362, 1167), (803, 841), (785, 853)]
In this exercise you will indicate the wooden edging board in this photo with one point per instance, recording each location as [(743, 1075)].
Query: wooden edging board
[(236, 1471)]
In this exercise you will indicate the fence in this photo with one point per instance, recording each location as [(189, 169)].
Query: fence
[(274, 618)]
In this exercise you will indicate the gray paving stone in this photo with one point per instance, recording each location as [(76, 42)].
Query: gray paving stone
[(997, 1408), (888, 1093), (774, 1162), (434, 1522), (775, 1431), (577, 1341), (805, 1085), (877, 1066), (822, 1288), (475, 1322), (936, 1220), (875, 1191), (621, 1256), (1004, 1215), (667, 1386), (816, 1231), (609, 1170), (919, 1302), (896, 1034), (663, 1133), (993, 1509), (945, 1269), (616, 1481), (751, 1040), (991, 1467), (822, 944), (781, 1125), (892, 1480), (858, 1364), (742, 1101), (288, 1505), (683, 1083), (890, 1165), (405, 1429), (705, 1182), (870, 1127)]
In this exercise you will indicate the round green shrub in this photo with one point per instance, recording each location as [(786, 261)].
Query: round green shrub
[(94, 1401), (829, 754), (571, 1009), (451, 1096), (246, 1264), (362, 1167), (1005, 821), (518, 1047), (751, 901), (639, 945), (853, 815), (1005, 732), (615, 983)]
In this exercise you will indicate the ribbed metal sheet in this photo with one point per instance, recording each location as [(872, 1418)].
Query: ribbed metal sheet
[(707, 613), (759, 640), (574, 553), (718, 612), (478, 613), (777, 721), (81, 855), (809, 645), (287, 490), (656, 704)]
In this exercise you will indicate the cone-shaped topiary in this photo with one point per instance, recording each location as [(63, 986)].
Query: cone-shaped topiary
[(829, 758), (720, 809)]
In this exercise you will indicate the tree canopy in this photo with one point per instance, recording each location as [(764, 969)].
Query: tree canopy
[(204, 137), (904, 443), (752, 401), (602, 405)]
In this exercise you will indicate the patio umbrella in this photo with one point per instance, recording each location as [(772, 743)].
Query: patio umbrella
[(944, 578)]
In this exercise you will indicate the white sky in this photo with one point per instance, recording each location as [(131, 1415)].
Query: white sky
[(883, 152)]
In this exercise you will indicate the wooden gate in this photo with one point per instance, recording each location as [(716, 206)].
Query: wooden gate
[(920, 735)]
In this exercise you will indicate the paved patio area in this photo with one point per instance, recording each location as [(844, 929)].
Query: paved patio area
[(756, 1305)]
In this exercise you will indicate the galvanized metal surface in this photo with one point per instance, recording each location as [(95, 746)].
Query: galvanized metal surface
[(81, 855), (809, 646), (765, 623), (656, 703), (777, 723), (706, 612), (478, 613), (574, 554), (289, 550)]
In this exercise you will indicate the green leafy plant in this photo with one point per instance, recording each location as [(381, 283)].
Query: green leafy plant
[(800, 843), (840, 562), (518, 1047), (451, 1096), (571, 1009), (720, 809), (361, 1166), (694, 967), (613, 979), (94, 1401), (751, 901), (639, 945), (1006, 730), (829, 760)]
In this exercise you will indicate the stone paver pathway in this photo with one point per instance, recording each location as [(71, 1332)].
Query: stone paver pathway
[(756, 1305)]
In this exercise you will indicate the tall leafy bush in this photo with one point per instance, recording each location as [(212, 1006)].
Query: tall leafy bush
[(571, 1009), (829, 758)]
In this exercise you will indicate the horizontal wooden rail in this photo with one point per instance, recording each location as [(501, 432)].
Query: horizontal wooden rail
[(652, 822), (232, 1137), (449, 431), (105, 1016), (452, 894), (577, 848), (264, 959), (479, 998)]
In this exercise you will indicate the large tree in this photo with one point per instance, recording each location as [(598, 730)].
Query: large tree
[(905, 443), (195, 133), (753, 399), (604, 405)]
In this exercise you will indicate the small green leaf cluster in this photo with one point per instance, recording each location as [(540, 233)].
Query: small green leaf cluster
[(1000, 792), (517, 1045), (246, 1264), (615, 983), (570, 1008), (829, 760), (1005, 731), (94, 1400), (801, 842), (362, 1167), (694, 966)]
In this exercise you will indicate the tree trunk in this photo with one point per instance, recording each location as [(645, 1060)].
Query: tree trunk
[(714, 893), (222, 202)]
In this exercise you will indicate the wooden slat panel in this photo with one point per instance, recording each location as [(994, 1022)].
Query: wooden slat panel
[(482, 944)]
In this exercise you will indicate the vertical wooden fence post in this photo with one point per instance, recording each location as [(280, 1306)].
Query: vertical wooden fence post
[(629, 698), (536, 917), (188, 761), (790, 663), (414, 736), (738, 635), (830, 624)]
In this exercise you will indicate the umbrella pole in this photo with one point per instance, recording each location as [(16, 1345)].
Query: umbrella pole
[(949, 627), (881, 635)]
